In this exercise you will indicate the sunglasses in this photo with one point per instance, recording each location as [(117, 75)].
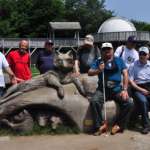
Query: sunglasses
[(108, 48), (142, 54)]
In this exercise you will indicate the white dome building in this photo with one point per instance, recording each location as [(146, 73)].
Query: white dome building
[(116, 30), (116, 24)]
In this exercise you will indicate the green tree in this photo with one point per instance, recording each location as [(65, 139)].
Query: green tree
[(90, 14), (138, 24)]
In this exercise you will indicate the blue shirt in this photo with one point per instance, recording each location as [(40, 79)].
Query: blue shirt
[(138, 73), (116, 76), (45, 61)]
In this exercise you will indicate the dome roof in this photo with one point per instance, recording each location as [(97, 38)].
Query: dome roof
[(116, 24)]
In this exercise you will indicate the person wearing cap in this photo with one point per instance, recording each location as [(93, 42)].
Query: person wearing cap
[(19, 62), (139, 78), (86, 54), (45, 58), (112, 67), (127, 52)]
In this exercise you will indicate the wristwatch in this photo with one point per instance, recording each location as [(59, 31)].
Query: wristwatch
[(13, 75), (125, 89)]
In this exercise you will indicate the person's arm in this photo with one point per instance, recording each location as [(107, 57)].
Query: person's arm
[(135, 86), (12, 80), (92, 72), (118, 51), (77, 58), (13, 77), (77, 68), (98, 53), (124, 93), (37, 67)]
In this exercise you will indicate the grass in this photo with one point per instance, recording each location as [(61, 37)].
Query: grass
[(34, 71), (65, 128)]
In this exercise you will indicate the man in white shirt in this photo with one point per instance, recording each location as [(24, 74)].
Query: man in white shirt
[(4, 64), (127, 52)]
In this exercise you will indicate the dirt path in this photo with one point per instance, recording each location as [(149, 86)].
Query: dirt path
[(129, 140)]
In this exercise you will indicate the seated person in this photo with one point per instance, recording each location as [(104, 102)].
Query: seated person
[(139, 78), (112, 67)]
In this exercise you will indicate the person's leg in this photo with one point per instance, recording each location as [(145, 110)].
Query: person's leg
[(1, 91), (126, 108), (97, 102), (143, 107)]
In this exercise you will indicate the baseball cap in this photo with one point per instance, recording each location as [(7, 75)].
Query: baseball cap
[(132, 38), (89, 39), (49, 42), (107, 45), (144, 49)]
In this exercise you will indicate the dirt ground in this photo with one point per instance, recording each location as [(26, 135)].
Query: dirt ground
[(129, 140)]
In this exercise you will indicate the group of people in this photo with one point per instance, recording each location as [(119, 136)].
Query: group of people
[(135, 68), (133, 65), (18, 63)]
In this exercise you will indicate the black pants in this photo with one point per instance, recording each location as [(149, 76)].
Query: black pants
[(97, 102)]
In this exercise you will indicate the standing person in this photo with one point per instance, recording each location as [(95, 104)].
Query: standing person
[(113, 67), (4, 64), (45, 58), (139, 78), (127, 52), (19, 61), (86, 54)]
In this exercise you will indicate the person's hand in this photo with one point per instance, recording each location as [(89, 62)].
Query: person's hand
[(144, 92), (101, 66), (124, 94), (15, 79), (78, 73)]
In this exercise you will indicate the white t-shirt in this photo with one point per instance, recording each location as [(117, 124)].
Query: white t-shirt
[(3, 64), (129, 56)]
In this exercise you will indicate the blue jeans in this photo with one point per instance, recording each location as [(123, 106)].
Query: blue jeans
[(143, 103), (1, 91)]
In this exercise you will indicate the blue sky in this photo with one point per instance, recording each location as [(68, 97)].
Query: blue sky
[(130, 9)]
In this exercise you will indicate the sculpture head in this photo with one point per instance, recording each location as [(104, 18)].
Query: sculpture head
[(22, 116), (63, 62), (42, 116)]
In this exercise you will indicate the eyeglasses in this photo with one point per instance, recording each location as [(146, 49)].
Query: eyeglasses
[(108, 48), (142, 54)]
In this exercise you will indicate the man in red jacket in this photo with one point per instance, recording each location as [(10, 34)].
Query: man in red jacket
[(19, 61)]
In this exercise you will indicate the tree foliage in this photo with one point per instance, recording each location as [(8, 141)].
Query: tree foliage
[(29, 18), (90, 14), (138, 24)]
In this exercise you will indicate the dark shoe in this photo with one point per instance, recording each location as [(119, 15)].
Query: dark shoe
[(100, 130), (115, 129), (145, 131)]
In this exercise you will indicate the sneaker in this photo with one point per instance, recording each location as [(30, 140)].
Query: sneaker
[(145, 131)]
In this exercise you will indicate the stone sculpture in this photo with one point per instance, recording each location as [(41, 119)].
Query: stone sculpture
[(23, 122), (62, 74), (42, 116), (55, 120), (61, 91)]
